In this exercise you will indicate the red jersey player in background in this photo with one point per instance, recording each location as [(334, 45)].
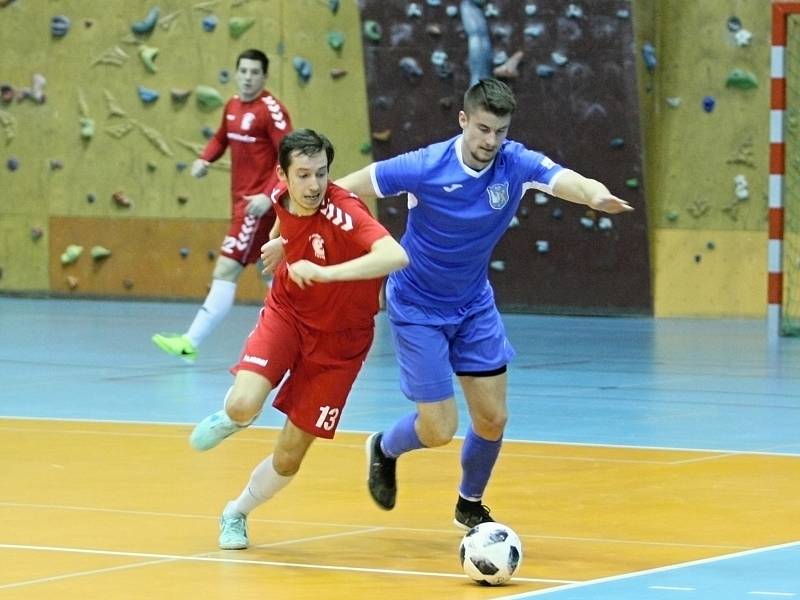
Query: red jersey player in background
[(253, 124), (317, 323)]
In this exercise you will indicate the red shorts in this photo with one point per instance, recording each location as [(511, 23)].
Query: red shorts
[(322, 367), (246, 236)]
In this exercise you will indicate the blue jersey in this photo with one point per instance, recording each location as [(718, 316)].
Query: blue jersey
[(456, 215)]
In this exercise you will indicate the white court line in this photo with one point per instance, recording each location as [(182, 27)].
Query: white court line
[(670, 588), (335, 444), (364, 432), (240, 561), (351, 526), (166, 560), (702, 561), (782, 594)]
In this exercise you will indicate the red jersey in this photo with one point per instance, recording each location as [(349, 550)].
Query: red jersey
[(341, 230), (253, 131)]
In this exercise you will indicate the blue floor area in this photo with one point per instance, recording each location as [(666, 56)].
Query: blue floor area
[(768, 573), (626, 381)]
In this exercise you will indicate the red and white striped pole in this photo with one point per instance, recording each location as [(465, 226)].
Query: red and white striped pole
[(777, 163)]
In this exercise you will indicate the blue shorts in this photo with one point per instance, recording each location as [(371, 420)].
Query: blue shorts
[(431, 344)]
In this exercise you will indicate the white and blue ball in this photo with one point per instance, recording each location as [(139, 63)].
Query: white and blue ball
[(490, 553)]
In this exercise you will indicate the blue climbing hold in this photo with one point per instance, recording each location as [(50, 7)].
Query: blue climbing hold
[(210, 23), (303, 68), (59, 26), (649, 56), (708, 103), (147, 95), (147, 24)]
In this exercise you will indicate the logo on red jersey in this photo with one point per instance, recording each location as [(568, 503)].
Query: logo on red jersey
[(247, 120), (318, 245)]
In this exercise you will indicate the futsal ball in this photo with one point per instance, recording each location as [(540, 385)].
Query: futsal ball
[(490, 553)]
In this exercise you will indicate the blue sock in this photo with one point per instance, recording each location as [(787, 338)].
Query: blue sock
[(401, 438), (478, 457)]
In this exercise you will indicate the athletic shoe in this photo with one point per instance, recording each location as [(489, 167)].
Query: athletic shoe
[(381, 478), (469, 514), (212, 430), (176, 345), (233, 531)]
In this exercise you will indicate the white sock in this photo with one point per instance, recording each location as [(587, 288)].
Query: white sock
[(217, 305), (264, 483)]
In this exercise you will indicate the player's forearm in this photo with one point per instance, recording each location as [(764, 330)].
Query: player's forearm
[(213, 150), (385, 256), (576, 188), (359, 182)]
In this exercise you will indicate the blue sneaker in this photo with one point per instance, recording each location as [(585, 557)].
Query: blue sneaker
[(233, 532), (212, 430)]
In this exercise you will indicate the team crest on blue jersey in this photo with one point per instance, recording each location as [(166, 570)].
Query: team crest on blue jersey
[(498, 195)]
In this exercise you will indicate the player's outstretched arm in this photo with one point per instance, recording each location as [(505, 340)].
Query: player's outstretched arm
[(359, 182), (385, 256), (574, 187)]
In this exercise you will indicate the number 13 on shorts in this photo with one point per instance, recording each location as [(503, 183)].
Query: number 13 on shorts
[(327, 418)]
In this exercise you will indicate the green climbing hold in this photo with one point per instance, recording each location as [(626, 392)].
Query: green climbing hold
[(632, 183), (741, 79), (238, 25), (336, 40), (373, 31), (672, 216), (100, 252), (71, 254), (208, 98), (87, 128), (365, 148), (148, 55)]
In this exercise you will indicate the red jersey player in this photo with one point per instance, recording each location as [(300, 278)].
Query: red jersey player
[(253, 124), (317, 323)]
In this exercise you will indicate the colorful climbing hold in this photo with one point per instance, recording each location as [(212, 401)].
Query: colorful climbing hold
[(410, 67), (55, 164), (210, 23), (741, 79), (90, 198), (238, 25), (632, 183), (184, 252), (336, 40), (373, 30), (183, 200), (87, 127), (542, 246), (649, 56), (59, 26), (12, 164), (338, 73), (121, 200), (148, 55), (72, 281), (208, 98), (147, 24), (303, 68), (545, 71), (708, 103), (617, 142), (224, 76), (147, 95), (98, 253), (71, 254), (36, 233), (179, 96)]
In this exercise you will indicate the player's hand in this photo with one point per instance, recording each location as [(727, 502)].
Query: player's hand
[(200, 168), (610, 204), (257, 204), (271, 255), (304, 273)]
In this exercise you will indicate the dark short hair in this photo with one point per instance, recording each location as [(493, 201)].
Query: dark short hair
[(253, 54), (304, 141), (491, 95)]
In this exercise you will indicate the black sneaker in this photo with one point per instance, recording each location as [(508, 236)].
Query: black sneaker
[(469, 514), (381, 479)]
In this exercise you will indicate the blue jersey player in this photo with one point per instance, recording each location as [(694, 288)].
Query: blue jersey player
[(462, 194)]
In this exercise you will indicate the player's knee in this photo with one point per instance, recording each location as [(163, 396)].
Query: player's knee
[(241, 408), (437, 433), (285, 462), (490, 426)]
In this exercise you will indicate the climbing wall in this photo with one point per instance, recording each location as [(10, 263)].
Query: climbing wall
[(106, 104), (572, 67), (707, 157)]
